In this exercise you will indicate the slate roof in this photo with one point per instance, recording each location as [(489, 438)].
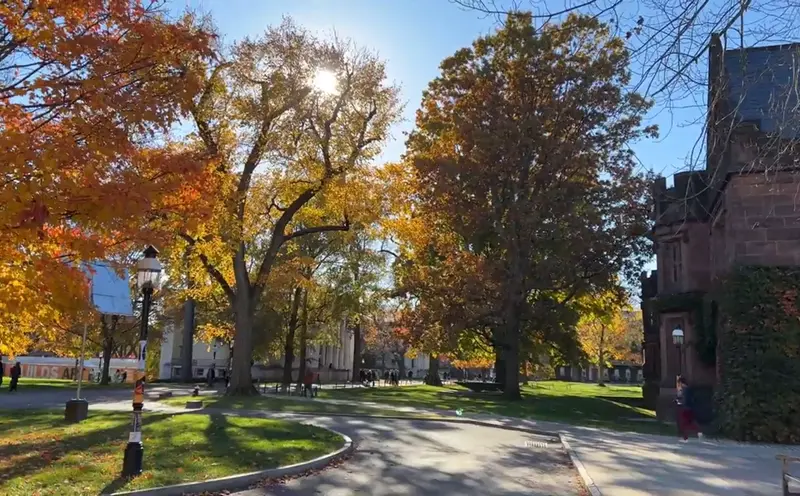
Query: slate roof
[(762, 84)]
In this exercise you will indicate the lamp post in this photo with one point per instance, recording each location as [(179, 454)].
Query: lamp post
[(677, 340), (147, 278)]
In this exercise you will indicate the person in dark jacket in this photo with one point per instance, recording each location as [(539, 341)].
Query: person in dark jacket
[(16, 371), (212, 375), (2, 371), (684, 411)]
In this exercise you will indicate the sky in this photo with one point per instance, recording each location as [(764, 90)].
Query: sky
[(413, 37)]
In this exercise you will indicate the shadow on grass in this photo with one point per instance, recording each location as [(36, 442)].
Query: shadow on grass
[(114, 485), (33, 456)]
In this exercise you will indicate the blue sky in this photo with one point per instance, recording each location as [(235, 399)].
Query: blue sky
[(413, 36)]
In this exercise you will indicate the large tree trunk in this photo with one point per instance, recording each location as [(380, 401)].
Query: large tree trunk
[(108, 349), (401, 365), (241, 375), (511, 388), (288, 348), (187, 341), (499, 365), (433, 379), (356, 351), (303, 340), (510, 342)]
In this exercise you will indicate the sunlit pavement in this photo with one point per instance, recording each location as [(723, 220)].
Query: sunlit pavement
[(401, 457), (469, 459)]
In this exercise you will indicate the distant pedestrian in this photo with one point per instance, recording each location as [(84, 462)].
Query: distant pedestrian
[(410, 375), (212, 375), (16, 371), (362, 376), (385, 376), (684, 412), (308, 383), (391, 377), (1, 371)]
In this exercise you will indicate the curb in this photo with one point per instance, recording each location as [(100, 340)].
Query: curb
[(244, 481), (573, 457)]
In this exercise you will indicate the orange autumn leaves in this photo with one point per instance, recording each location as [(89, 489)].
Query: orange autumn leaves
[(88, 92)]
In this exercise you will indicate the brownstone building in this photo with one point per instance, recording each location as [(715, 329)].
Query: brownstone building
[(743, 208)]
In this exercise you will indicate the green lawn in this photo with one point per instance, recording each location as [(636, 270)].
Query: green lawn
[(43, 383), (614, 407), (273, 404), (42, 455)]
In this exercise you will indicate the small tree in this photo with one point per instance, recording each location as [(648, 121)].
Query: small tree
[(603, 332)]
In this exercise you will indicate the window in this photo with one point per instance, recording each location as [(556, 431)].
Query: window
[(677, 262), (199, 373)]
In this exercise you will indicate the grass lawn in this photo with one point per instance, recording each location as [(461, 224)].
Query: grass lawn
[(613, 407), (42, 455), (273, 404), (43, 383)]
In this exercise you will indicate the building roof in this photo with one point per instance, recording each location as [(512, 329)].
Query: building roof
[(760, 84)]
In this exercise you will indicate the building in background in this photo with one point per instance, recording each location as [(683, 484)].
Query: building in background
[(741, 209), (332, 361)]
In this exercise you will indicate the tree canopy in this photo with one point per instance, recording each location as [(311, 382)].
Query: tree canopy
[(523, 183)]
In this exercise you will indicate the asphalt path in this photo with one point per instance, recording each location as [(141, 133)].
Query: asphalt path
[(411, 457)]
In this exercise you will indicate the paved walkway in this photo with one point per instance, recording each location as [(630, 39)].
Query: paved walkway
[(631, 464), (407, 457), (620, 463)]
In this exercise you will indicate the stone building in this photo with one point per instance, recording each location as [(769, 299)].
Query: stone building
[(743, 208)]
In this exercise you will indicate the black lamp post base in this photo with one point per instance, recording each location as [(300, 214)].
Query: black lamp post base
[(132, 463), (76, 410)]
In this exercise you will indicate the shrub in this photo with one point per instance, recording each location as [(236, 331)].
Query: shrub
[(759, 354)]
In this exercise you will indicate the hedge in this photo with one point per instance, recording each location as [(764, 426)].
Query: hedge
[(758, 353)]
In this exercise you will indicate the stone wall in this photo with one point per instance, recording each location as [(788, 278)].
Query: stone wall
[(695, 273), (761, 224)]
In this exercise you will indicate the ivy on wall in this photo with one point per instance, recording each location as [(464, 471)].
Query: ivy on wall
[(758, 397)]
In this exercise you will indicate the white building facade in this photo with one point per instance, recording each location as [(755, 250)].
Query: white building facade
[(333, 361)]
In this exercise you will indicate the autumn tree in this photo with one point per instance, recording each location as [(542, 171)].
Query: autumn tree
[(521, 153), (290, 118), (603, 330), (89, 91)]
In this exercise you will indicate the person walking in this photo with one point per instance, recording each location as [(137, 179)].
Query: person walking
[(212, 375), (684, 412), (2, 371), (16, 371), (308, 383)]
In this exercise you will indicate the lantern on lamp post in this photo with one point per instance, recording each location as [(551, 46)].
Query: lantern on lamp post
[(677, 340), (147, 278)]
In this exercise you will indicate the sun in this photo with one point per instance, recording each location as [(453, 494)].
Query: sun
[(325, 81)]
